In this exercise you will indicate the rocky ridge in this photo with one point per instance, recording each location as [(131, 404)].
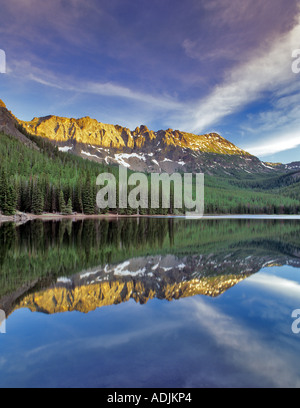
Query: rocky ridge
[(139, 150), (143, 149), (145, 278)]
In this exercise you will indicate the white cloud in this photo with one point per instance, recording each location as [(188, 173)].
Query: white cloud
[(267, 71), (246, 347), (111, 89), (276, 284), (275, 144)]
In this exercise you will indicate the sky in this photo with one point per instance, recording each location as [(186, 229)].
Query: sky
[(199, 66)]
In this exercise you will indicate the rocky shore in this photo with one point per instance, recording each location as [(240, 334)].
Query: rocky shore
[(21, 218)]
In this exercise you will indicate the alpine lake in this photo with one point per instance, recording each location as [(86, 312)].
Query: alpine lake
[(150, 303)]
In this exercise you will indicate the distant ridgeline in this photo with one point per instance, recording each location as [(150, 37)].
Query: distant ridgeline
[(110, 262)]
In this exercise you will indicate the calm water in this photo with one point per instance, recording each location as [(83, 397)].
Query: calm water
[(150, 303)]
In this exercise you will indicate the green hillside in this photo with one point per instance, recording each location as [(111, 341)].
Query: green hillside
[(46, 180), (252, 194)]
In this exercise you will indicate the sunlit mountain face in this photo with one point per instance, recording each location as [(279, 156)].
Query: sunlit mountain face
[(139, 150)]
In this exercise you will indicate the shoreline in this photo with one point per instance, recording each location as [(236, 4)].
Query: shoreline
[(25, 217), (22, 218)]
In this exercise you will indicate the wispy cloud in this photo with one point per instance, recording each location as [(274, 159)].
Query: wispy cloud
[(267, 70), (24, 70), (245, 347), (278, 127), (276, 284), (275, 144)]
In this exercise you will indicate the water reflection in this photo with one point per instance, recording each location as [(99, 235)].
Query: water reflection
[(53, 267)]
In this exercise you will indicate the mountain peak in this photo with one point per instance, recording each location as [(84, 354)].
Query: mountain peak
[(140, 150), (2, 104)]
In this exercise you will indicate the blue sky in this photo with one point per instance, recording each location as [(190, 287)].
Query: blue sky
[(194, 65)]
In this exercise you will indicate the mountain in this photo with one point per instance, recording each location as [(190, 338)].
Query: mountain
[(292, 166), (165, 277), (183, 262), (9, 125), (143, 149), (139, 150), (40, 176), (80, 265), (94, 288)]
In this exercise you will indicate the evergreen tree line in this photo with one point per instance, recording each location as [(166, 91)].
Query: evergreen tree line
[(38, 195), (45, 180)]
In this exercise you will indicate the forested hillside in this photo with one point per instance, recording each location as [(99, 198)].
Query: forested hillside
[(43, 179)]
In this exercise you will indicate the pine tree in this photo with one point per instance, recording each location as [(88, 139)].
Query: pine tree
[(3, 188), (88, 199), (62, 203), (37, 204), (26, 198), (53, 206), (18, 191), (78, 203), (69, 208), (47, 194), (8, 197), (9, 207)]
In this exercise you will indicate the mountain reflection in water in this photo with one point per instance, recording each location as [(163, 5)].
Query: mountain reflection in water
[(53, 267)]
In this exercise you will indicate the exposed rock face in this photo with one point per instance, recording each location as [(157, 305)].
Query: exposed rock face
[(2, 104), (85, 131), (87, 298), (142, 279), (91, 132), (142, 149)]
